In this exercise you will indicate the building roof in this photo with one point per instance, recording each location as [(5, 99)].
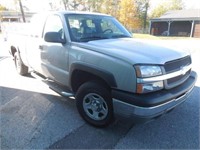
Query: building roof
[(190, 14), (14, 13)]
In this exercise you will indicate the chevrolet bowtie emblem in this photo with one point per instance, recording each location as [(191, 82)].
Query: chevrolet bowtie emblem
[(183, 70)]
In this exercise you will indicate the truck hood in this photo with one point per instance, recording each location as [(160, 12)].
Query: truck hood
[(135, 51)]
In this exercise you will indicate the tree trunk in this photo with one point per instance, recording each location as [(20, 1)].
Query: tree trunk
[(22, 11), (145, 16)]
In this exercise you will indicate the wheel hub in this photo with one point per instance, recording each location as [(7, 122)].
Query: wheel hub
[(95, 106)]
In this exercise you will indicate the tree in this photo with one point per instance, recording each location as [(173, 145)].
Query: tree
[(127, 11), (90, 5), (107, 7), (176, 5), (166, 6), (2, 8), (128, 14), (94, 5), (85, 5), (159, 11), (20, 7), (65, 4), (142, 10), (74, 4), (22, 11)]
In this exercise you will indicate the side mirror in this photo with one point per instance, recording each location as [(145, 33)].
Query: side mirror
[(54, 37)]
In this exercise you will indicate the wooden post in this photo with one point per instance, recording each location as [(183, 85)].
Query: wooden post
[(168, 30), (150, 27), (192, 28)]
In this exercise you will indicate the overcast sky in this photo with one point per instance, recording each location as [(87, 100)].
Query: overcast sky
[(41, 5)]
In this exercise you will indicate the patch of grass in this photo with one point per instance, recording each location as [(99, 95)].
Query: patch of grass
[(145, 36), (151, 37), (172, 37)]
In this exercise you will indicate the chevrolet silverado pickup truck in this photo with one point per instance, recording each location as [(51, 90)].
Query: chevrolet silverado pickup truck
[(98, 62)]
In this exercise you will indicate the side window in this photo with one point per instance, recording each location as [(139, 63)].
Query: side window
[(54, 24)]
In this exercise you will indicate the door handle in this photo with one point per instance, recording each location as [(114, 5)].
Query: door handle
[(41, 47)]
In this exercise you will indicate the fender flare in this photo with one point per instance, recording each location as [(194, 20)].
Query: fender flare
[(103, 74)]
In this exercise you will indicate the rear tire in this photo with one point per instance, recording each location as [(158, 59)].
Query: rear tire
[(19, 65), (94, 104)]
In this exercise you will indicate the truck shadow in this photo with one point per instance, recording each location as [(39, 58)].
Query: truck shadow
[(39, 120), (34, 120)]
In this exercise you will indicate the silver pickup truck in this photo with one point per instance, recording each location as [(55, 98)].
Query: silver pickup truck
[(98, 62)]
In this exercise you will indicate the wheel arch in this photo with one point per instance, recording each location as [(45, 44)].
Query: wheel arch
[(13, 50), (81, 73)]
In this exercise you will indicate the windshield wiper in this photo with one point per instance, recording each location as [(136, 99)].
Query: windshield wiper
[(120, 36), (91, 38)]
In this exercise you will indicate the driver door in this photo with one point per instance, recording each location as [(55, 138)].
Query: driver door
[(54, 56)]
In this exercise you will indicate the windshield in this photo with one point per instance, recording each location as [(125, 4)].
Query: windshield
[(84, 28)]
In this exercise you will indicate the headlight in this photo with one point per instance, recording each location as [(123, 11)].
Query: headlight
[(148, 71)]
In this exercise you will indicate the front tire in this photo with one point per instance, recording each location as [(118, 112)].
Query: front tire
[(94, 104), (19, 65)]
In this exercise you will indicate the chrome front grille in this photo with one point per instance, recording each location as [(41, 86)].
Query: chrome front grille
[(177, 65)]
